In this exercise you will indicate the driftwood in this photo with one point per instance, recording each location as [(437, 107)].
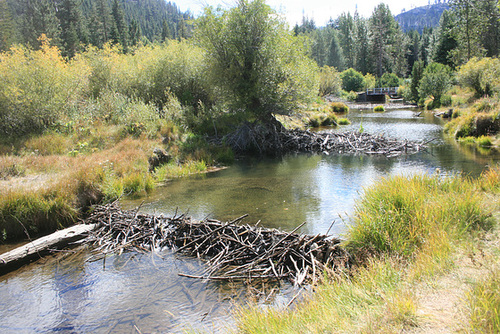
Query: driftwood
[(232, 251), (39, 247), (273, 139)]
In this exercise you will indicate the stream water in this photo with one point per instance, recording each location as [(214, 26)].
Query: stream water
[(132, 292)]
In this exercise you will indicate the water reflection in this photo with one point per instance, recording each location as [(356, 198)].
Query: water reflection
[(134, 292)]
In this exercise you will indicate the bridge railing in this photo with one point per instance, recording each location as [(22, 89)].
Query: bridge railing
[(383, 90)]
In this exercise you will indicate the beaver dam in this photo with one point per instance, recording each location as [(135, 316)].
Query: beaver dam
[(232, 251), (274, 139)]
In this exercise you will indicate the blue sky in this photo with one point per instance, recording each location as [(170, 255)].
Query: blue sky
[(319, 10)]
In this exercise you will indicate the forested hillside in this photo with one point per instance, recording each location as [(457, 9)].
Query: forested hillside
[(71, 23), (422, 17)]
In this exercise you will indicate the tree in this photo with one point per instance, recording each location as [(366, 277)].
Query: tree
[(165, 31), (446, 40), (346, 34), (335, 54), (7, 27), (434, 83), (134, 33), (257, 64), (467, 29), (72, 27), (362, 54), (119, 34), (100, 23), (352, 80), (416, 75), (39, 18), (383, 32)]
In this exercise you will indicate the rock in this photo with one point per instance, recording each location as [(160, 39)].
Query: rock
[(159, 158)]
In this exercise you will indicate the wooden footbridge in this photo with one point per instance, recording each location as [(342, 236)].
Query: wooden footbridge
[(377, 94)]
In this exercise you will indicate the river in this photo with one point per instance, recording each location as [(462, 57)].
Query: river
[(73, 292)]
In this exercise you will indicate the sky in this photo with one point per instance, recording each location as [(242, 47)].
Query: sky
[(319, 10)]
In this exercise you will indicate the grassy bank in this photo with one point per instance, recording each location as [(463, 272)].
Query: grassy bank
[(408, 232)]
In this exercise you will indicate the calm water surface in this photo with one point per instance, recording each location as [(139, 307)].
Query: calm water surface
[(134, 292)]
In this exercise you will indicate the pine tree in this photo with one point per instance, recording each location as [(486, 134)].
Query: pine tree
[(134, 33), (165, 31), (346, 28), (362, 60), (119, 34), (335, 54), (446, 40), (73, 28), (7, 26), (39, 18)]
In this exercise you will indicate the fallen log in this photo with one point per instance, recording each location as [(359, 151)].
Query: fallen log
[(40, 247)]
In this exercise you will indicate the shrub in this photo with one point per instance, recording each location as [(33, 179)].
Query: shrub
[(329, 81), (445, 100), (389, 80), (481, 75), (350, 96), (36, 88), (435, 81), (352, 80), (339, 107), (379, 109)]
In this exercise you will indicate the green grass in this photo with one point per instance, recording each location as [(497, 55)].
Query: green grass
[(173, 170), (35, 212), (484, 305), (400, 214)]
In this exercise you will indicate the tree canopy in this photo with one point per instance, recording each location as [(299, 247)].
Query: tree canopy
[(254, 59)]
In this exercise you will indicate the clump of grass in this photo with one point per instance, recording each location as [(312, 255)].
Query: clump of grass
[(174, 170), (344, 121), (484, 141), (467, 141), (339, 107), (48, 144), (484, 304), (35, 212), (379, 109), (400, 215), (11, 170), (136, 183), (323, 119)]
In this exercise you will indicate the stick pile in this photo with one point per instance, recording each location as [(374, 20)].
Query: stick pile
[(349, 142), (232, 251), (273, 139)]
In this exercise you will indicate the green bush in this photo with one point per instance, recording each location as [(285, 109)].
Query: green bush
[(352, 80), (389, 80), (481, 75), (435, 81)]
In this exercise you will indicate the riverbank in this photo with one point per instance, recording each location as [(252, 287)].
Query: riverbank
[(428, 262)]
